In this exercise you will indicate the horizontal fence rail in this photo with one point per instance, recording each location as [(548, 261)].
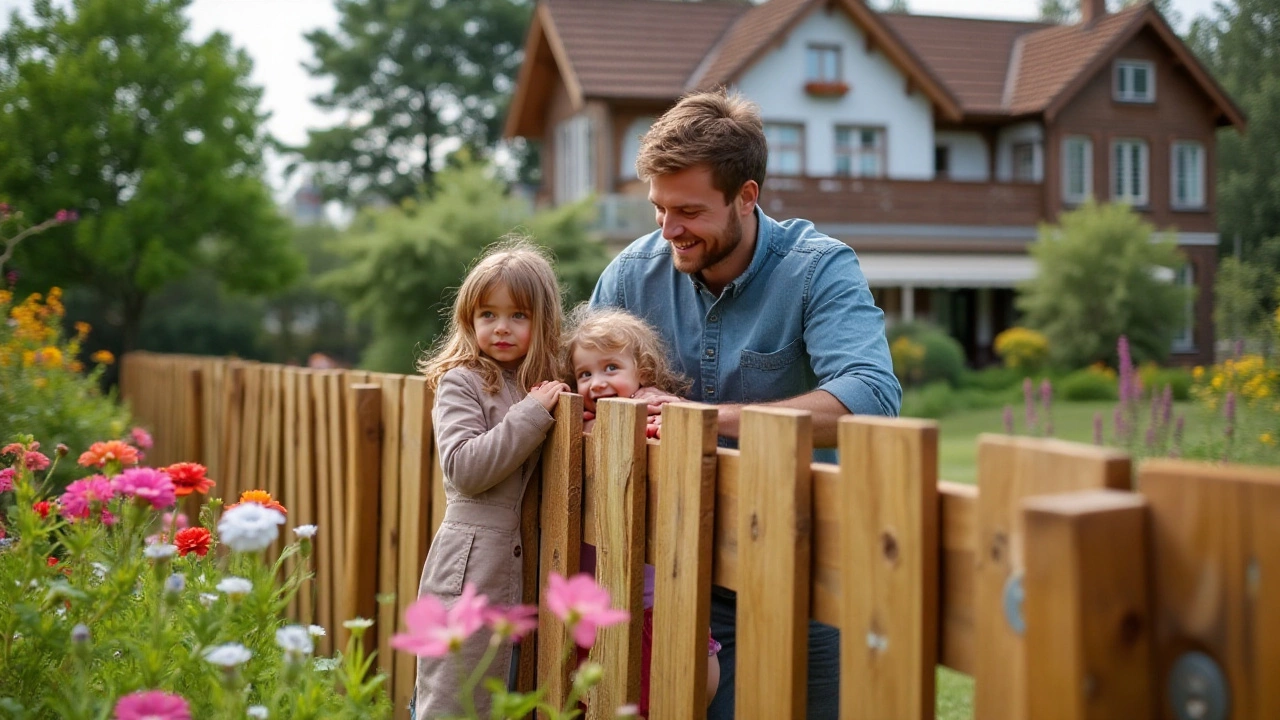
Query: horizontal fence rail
[(1061, 589)]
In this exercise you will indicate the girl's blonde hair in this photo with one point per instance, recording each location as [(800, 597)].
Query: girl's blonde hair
[(525, 270), (606, 329)]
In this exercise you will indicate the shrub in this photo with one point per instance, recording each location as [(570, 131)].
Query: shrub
[(44, 386), (992, 379), (1022, 349), (908, 360), (1088, 384), (106, 603), (935, 400), (942, 357), (1155, 378)]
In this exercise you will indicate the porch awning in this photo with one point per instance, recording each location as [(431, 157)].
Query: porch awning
[(969, 270)]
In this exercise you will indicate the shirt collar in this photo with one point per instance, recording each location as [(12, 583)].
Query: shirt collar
[(764, 238)]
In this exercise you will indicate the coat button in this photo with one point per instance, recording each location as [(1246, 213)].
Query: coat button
[(517, 551)]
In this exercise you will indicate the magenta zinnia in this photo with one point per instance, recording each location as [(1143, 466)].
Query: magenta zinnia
[(81, 495), (582, 605), (152, 705), (147, 485), (434, 631)]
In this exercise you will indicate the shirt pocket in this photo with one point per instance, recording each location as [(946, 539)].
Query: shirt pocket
[(446, 566), (774, 375)]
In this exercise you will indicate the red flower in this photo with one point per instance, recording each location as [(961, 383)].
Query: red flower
[(51, 561), (42, 508), (188, 478), (192, 539)]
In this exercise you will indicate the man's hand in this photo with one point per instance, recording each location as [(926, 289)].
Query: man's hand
[(548, 392), (656, 398), (653, 428)]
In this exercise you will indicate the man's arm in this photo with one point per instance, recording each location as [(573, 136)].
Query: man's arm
[(825, 407)]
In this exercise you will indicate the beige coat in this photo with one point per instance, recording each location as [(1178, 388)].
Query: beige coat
[(489, 446)]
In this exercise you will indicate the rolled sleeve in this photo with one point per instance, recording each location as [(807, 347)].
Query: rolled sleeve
[(844, 334)]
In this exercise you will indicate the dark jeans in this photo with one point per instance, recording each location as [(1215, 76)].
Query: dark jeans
[(824, 662)]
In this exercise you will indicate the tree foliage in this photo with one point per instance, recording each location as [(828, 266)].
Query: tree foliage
[(1068, 11), (1100, 274), (410, 75), (110, 108), (1240, 43), (405, 262)]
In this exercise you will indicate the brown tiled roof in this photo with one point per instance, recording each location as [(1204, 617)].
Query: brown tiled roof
[(970, 55), (640, 48), (746, 38), (1050, 59)]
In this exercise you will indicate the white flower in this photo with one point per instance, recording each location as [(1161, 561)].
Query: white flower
[(325, 664), (234, 586), (229, 655), (207, 599), (160, 551), (295, 640), (99, 570), (358, 624), (249, 527), (258, 711), (305, 531), (315, 630)]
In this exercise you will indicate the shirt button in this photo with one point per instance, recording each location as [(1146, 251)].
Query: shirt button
[(708, 390), (711, 352), (517, 551), (714, 318)]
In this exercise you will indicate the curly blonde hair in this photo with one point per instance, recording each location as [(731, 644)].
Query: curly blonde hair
[(525, 270), (607, 329)]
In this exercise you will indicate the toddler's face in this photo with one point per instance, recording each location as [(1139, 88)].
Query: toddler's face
[(603, 374)]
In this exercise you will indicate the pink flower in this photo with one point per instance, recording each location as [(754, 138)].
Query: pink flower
[(152, 705), (36, 461), (435, 631), (583, 606), (514, 622), (168, 521), (80, 496), (6, 479), (148, 485), (141, 438)]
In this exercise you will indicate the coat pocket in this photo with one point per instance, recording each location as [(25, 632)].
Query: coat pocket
[(446, 566), (775, 375)]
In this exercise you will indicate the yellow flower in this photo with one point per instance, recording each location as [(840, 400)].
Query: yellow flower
[(40, 382), (28, 358), (103, 357), (76, 366), (51, 356), (5, 297), (82, 329), (1198, 373), (1266, 439)]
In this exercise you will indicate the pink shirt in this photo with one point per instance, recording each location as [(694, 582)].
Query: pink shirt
[(650, 573)]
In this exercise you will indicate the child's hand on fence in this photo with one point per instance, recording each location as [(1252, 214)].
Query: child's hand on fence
[(653, 428), (656, 398), (548, 393)]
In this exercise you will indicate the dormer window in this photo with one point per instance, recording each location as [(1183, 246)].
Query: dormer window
[(822, 71), (1135, 81)]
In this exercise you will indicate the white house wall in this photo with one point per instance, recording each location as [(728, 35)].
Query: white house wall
[(877, 98), (969, 158)]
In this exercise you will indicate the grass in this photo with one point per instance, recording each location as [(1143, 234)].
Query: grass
[(954, 695)]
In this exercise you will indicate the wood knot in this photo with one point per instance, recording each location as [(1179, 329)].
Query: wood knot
[(755, 526), (889, 546)]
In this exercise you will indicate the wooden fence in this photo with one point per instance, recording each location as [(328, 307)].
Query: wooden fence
[(1063, 591)]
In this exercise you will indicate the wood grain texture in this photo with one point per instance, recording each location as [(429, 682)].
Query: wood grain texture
[(413, 516), (360, 576), (561, 524)]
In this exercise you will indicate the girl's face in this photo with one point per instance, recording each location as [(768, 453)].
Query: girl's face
[(604, 374), (503, 330)]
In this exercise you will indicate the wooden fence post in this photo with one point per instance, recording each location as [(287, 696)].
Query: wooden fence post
[(1086, 606), (364, 440), (774, 541), (1216, 581), (682, 607), (417, 439), (889, 541), (561, 546), (1009, 470)]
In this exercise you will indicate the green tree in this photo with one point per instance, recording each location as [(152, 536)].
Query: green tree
[(403, 263), (1101, 274), (1240, 43), (110, 108), (1068, 11), (408, 76)]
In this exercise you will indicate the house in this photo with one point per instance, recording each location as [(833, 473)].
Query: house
[(934, 146)]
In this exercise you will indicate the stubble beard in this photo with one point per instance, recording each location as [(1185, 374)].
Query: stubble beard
[(730, 237)]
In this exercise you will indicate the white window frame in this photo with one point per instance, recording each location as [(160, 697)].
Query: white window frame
[(775, 152), (1030, 148), (1086, 158), (823, 52), (575, 159), (1122, 169), (1122, 81), (1195, 197), (1185, 339), (857, 152)]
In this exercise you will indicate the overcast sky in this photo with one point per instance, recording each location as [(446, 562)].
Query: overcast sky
[(271, 31)]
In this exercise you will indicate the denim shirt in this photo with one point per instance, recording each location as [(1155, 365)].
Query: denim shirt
[(800, 318)]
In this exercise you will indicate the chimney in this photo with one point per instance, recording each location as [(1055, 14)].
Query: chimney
[(1091, 11)]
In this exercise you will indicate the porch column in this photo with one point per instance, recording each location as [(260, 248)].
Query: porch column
[(983, 335), (908, 303)]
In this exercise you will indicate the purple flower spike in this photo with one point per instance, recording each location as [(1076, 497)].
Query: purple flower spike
[(1008, 419), (1046, 395), (1151, 437), (1029, 400), (1229, 410), (1166, 405), (1121, 434)]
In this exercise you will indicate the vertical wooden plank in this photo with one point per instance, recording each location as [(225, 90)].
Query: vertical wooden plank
[(957, 509), (531, 540), (339, 402), (774, 536), (328, 535), (1215, 547), (889, 542), (619, 490), (414, 517), (305, 477), (1086, 606), (682, 535), (251, 430), (231, 422), (561, 547), (360, 578), (289, 472), (1009, 470), (388, 521)]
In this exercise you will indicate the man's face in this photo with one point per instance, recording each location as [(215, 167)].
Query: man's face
[(704, 230)]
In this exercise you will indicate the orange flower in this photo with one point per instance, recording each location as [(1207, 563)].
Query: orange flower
[(189, 477), (262, 497), (82, 330), (192, 540), (103, 357), (100, 453)]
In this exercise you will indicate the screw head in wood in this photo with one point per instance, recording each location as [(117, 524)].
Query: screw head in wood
[(1198, 688)]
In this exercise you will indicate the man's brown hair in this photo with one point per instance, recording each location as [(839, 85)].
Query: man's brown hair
[(721, 131)]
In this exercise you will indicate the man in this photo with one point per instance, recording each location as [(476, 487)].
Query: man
[(754, 311)]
